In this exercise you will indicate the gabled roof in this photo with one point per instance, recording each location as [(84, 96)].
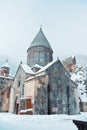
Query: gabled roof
[(48, 66), (36, 66), (41, 70), (27, 69), (40, 40)]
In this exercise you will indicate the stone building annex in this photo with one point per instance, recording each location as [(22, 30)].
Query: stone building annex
[(42, 86)]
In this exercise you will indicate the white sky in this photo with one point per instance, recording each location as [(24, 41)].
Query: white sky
[(64, 23)]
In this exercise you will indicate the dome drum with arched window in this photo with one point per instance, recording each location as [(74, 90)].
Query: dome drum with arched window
[(40, 51)]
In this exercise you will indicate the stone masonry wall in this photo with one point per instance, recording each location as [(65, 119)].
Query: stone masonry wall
[(40, 103), (61, 97), (55, 95)]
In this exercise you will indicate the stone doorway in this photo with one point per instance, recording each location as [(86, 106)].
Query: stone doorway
[(16, 106)]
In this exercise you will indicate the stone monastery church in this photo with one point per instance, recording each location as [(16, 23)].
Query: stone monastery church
[(42, 86)]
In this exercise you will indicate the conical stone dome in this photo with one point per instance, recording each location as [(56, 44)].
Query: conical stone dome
[(39, 51), (40, 40)]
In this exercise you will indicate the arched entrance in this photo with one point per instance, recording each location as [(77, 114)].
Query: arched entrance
[(16, 106)]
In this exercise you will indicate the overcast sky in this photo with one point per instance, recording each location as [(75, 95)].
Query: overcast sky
[(64, 22)]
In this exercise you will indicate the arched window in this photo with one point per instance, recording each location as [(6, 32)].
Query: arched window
[(22, 91), (36, 57), (42, 58), (47, 57), (31, 59)]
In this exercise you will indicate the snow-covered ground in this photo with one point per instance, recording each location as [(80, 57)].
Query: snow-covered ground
[(39, 122)]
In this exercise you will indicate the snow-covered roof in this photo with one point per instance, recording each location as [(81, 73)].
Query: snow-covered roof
[(47, 66), (27, 69), (32, 77), (4, 77), (41, 70), (5, 65), (36, 66)]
